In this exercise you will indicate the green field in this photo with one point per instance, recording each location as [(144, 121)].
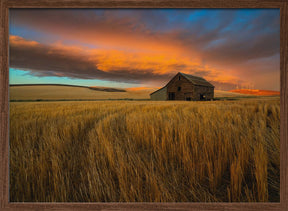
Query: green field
[(144, 151)]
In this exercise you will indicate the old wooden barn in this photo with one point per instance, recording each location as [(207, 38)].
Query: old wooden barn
[(185, 87)]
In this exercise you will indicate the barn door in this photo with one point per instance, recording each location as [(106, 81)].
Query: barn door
[(188, 96), (202, 97), (171, 96)]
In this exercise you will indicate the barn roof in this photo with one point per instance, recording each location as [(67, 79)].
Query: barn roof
[(197, 80), (158, 90)]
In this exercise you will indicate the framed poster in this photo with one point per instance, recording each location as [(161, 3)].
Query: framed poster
[(161, 105)]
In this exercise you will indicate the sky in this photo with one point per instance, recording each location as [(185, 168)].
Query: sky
[(231, 48)]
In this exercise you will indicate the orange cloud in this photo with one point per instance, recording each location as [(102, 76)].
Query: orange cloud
[(146, 67), (256, 92), (16, 40)]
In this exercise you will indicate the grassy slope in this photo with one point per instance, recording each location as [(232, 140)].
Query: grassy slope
[(66, 92), (70, 92)]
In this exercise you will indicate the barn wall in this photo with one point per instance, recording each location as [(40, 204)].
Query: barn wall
[(204, 90), (186, 87), (159, 95)]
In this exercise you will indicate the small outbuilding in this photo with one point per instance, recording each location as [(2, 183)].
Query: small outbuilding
[(185, 87)]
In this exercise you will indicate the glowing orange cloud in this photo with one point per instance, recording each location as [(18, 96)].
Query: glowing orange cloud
[(256, 92), (156, 63), (16, 40)]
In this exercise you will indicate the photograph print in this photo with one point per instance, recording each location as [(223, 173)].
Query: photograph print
[(144, 105)]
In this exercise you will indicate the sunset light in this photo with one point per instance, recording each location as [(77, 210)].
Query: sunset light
[(145, 47), (144, 106)]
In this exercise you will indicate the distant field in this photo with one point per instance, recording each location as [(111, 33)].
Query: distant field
[(70, 92), (145, 151), (78, 93)]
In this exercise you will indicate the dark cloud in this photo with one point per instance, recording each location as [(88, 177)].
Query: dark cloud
[(44, 60), (231, 42)]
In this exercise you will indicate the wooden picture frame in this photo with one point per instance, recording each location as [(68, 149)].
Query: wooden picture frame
[(5, 5)]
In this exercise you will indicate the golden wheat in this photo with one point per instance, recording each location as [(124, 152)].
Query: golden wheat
[(145, 151)]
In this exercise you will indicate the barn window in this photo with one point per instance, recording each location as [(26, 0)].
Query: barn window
[(179, 77), (179, 88)]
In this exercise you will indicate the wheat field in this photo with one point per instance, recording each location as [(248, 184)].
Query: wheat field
[(121, 151)]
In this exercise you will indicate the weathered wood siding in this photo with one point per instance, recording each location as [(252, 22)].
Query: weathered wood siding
[(208, 92), (160, 94), (184, 83)]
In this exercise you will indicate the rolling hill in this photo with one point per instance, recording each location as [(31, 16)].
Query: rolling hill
[(66, 92), (34, 92)]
